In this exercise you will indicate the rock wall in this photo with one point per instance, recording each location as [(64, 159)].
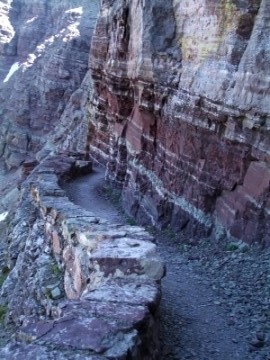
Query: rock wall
[(181, 112), (44, 51), (79, 287)]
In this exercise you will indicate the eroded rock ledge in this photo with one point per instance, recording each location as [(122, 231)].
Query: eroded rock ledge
[(79, 287)]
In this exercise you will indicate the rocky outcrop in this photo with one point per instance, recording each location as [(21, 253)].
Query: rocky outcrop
[(180, 112), (79, 287), (44, 51)]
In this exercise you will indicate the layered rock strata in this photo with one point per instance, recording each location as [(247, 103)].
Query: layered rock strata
[(79, 287), (181, 112)]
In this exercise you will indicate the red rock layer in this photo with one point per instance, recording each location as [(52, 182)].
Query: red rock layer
[(180, 112)]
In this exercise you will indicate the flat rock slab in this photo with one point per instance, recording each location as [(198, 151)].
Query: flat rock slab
[(125, 248), (98, 327), (19, 351), (127, 292), (93, 334), (128, 256)]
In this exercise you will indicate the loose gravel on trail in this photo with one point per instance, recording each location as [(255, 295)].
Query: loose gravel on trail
[(216, 295)]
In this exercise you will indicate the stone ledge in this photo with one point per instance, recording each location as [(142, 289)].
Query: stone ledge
[(111, 280)]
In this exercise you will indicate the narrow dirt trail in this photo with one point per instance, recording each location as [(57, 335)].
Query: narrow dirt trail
[(194, 324), (85, 191)]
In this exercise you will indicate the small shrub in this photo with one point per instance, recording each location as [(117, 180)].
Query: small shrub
[(131, 221), (232, 247), (169, 232), (3, 312), (56, 270), (3, 275), (2, 279)]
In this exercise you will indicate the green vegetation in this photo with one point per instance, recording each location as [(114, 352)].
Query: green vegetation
[(2, 279), (3, 275), (237, 246), (56, 270), (231, 247), (3, 312), (131, 221), (169, 232), (113, 195)]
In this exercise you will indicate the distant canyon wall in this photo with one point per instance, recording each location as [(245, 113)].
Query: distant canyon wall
[(44, 52), (180, 112)]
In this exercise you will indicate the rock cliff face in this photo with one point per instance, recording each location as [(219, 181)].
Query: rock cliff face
[(181, 112), (45, 44)]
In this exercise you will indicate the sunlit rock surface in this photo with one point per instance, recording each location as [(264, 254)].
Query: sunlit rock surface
[(181, 112)]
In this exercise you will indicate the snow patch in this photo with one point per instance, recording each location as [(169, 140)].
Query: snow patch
[(31, 20), (12, 70), (3, 216), (75, 11)]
